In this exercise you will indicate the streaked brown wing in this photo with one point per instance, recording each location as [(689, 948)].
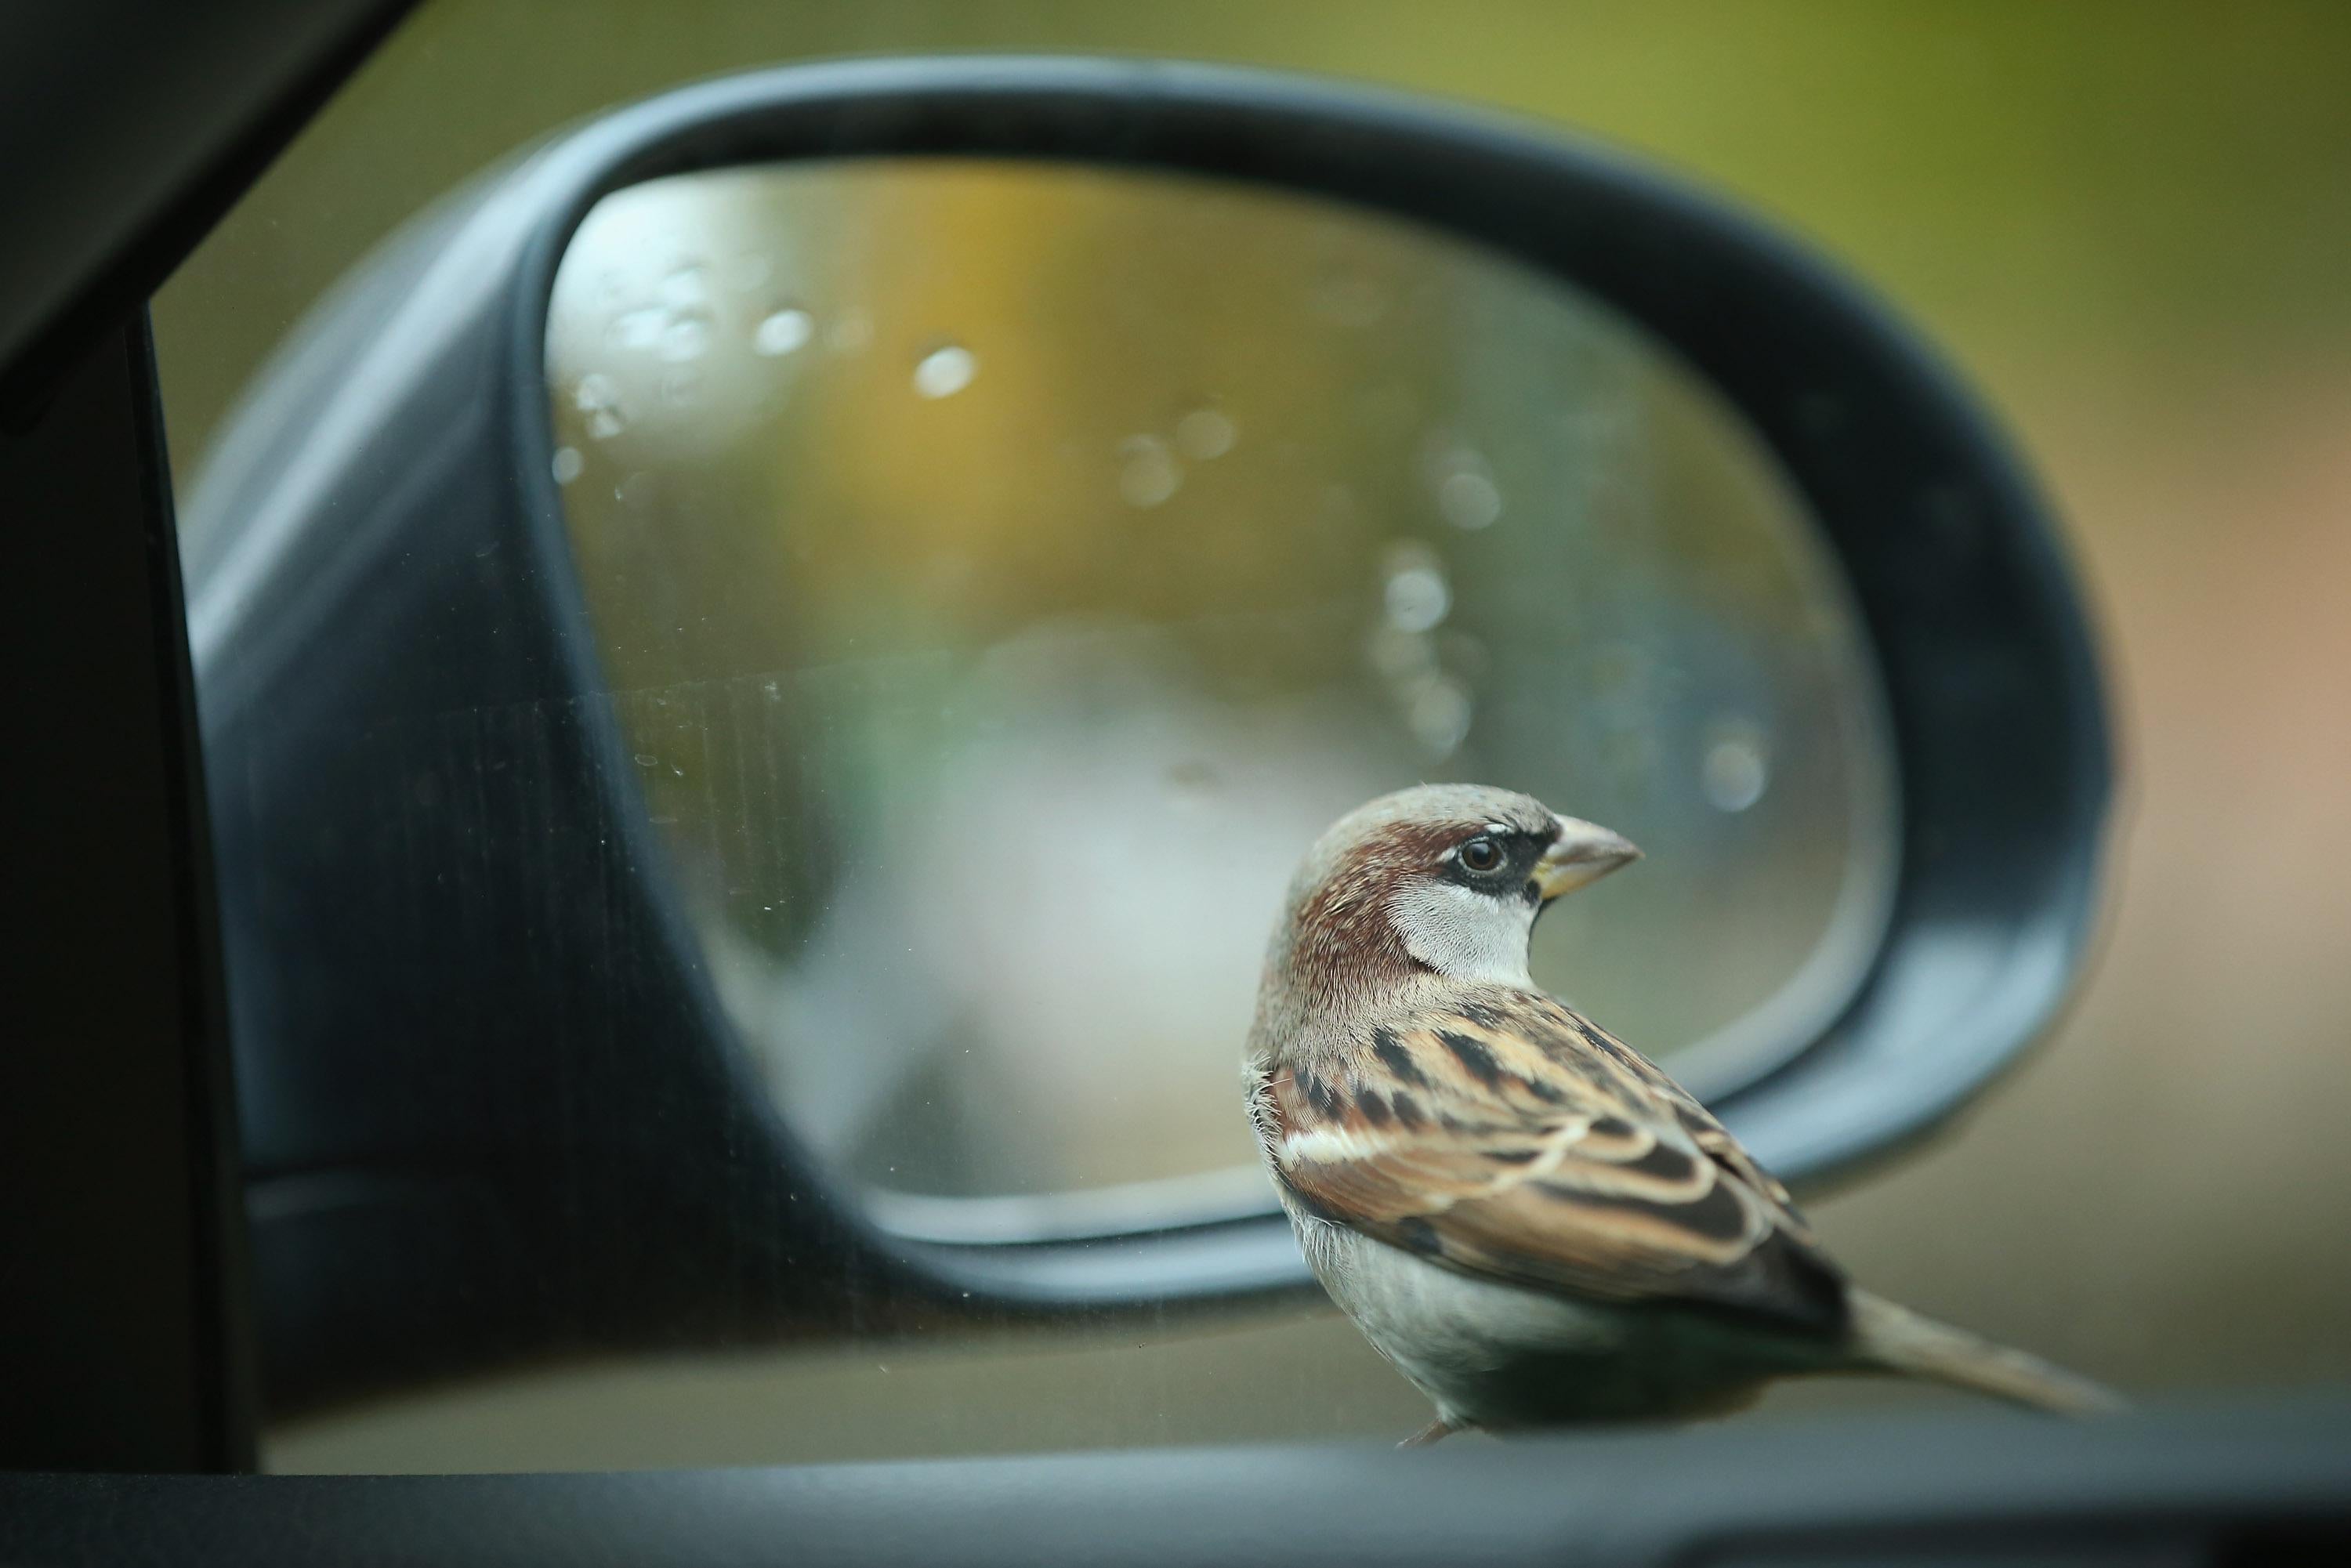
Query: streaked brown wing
[(1710, 1134), (1513, 1140)]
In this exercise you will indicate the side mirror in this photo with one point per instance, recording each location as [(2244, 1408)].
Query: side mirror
[(728, 644)]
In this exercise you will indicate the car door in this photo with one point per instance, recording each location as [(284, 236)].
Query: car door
[(445, 1078)]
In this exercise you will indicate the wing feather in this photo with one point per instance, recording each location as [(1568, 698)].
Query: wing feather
[(1512, 1139)]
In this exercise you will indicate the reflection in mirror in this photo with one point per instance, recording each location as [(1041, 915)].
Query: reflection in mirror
[(1004, 570)]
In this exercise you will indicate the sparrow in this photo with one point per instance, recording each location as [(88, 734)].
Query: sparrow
[(1527, 1216)]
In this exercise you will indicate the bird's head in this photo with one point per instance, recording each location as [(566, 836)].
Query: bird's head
[(1442, 881)]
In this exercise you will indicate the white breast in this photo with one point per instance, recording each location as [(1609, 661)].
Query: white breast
[(1449, 1333)]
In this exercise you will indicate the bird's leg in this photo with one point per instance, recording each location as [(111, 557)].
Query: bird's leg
[(1436, 1431)]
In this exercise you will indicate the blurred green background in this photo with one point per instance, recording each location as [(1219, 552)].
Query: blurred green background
[(2127, 224)]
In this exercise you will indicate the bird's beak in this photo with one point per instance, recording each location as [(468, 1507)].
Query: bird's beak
[(1584, 853)]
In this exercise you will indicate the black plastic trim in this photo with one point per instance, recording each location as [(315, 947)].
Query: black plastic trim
[(130, 128), (125, 1328), (2218, 1486)]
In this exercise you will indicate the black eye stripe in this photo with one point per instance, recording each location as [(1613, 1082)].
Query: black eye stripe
[(1488, 861)]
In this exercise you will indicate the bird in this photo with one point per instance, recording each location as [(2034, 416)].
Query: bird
[(1533, 1221)]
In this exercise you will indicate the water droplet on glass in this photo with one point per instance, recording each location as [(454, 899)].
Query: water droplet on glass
[(1735, 773), (567, 464), (596, 389), (1440, 715), (636, 490), (599, 397), (1463, 482), (1205, 433), (686, 338), (945, 371), (1469, 500), (1417, 597), (1148, 473), (689, 284), (640, 329), (647, 759), (782, 332)]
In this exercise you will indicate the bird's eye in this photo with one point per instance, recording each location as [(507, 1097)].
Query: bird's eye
[(1481, 854)]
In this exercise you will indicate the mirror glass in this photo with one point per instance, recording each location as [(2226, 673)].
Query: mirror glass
[(1004, 571)]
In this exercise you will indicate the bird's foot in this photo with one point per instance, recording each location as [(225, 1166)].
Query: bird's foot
[(1436, 1431)]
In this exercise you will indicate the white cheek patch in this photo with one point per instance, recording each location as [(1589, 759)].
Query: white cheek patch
[(1464, 935)]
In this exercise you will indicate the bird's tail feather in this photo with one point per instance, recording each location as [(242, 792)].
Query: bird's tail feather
[(1898, 1340)]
